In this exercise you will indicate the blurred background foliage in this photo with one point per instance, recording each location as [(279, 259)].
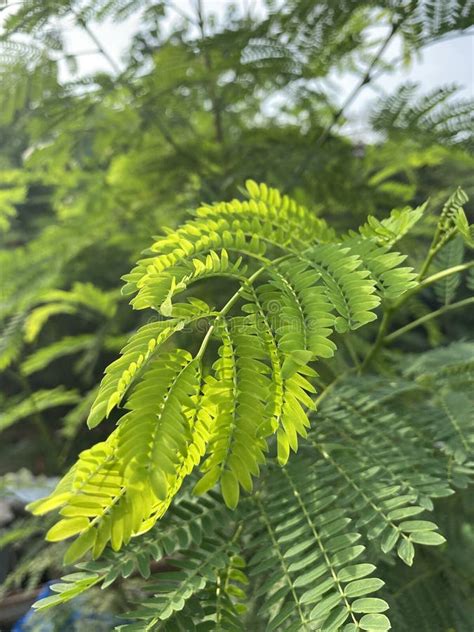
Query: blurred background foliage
[(92, 166)]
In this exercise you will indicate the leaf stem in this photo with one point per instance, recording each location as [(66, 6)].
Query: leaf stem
[(384, 325), (45, 436), (231, 302), (434, 278), (383, 336), (423, 319), (327, 390), (352, 352), (365, 79), (83, 24), (435, 247)]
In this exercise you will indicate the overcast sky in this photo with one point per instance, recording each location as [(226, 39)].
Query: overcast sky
[(449, 62)]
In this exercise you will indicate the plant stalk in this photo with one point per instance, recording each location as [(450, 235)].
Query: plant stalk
[(383, 336), (423, 319)]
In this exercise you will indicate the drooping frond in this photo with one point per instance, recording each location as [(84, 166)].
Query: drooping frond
[(451, 366), (431, 595), (135, 356), (349, 287), (307, 557), (384, 475), (203, 566), (184, 527), (35, 403), (456, 435), (449, 375), (156, 435), (391, 279), (83, 298), (45, 355), (85, 295), (224, 604), (39, 316)]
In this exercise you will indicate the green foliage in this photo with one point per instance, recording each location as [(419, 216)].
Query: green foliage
[(320, 531), (318, 526), (36, 403), (212, 394), (12, 192), (451, 255), (453, 219), (430, 19), (67, 346), (83, 298), (27, 74), (292, 304), (11, 341), (435, 116)]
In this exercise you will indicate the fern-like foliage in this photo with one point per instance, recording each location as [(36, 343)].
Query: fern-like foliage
[(449, 373), (36, 403), (453, 220), (237, 403), (12, 192), (11, 341), (83, 298), (67, 346), (434, 117), (296, 283), (388, 231), (315, 543), (451, 255), (28, 74), (428, 20)]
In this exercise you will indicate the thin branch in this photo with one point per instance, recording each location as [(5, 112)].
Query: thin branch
[(366, 79), (352, 352), (388, 314), (384, 325), (420, 321), (329, 388), (83, 24), (216, 110), (434, 278)]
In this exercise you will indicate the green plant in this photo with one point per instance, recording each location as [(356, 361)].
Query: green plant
[(93, 163), (236, 402)]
